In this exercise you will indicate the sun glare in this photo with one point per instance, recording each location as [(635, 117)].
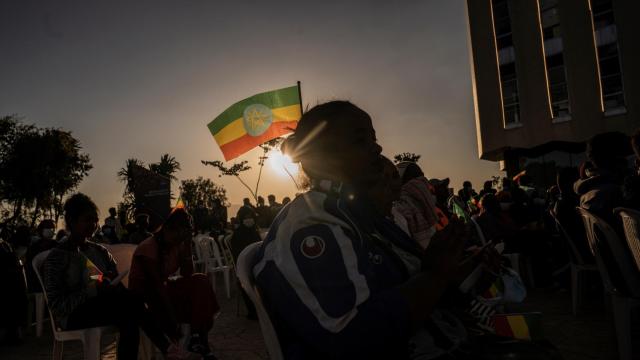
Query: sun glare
[(281, 164)]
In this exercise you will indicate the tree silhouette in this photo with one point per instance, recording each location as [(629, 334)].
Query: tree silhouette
[(406, 156), (236, 169), (38, 167), (206, 201)]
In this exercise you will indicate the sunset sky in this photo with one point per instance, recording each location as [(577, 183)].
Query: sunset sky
[(143, 78)]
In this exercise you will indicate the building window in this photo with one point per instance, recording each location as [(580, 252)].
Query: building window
[(554, 58), (608, 56), (506, 61)]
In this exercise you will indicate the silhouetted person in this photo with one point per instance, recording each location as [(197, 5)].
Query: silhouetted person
[(467, 193), (190, 299), (487, 188), (274, 207), (247, 214), (13, 301), (601, 191), (142, 232), (264, 213), (77, 279), (112, 228)]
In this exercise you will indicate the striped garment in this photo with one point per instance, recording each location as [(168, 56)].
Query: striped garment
[(67, 280), (418, 207)]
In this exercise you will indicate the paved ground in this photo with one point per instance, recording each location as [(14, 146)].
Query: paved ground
[(587, 336)]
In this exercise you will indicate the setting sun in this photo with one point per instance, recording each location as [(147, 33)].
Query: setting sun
[(282, 164)]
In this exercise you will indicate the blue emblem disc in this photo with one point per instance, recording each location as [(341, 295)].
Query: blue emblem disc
[(256, 119)]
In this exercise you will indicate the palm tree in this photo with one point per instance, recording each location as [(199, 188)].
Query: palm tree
[(167, 166), (125, 174)]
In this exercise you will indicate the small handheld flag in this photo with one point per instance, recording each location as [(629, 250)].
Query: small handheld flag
[(255, 120), (92, 270), (525, 326)]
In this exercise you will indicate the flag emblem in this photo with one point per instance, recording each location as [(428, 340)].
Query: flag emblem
[(256, 119), (312, 247)]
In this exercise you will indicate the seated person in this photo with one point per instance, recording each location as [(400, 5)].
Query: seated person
[(601, 191), (188, 299), (330, 276), (243, 236), (77, 276)]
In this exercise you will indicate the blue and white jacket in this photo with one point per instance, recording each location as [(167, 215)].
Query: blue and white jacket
[(329, 280)]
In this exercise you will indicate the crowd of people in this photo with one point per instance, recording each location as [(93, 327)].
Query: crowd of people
[(374, 260)]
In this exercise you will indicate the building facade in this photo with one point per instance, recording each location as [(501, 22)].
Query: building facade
[(550, 74)]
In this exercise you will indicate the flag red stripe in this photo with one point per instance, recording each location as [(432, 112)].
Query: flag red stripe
[(502, 326), (241, 145)]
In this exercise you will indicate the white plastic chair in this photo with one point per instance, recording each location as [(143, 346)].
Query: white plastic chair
[(89, 337), (224, 241), (579, 266), (38, 299), (631, 223), (208, 254), (244, 270), (625, 290)]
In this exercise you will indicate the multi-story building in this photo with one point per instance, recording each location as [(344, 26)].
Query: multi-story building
[(550, 74)]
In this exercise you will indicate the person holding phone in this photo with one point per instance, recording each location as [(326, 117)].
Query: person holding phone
[(77, 275)]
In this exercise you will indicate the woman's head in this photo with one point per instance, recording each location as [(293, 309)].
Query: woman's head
[(336, 141), (81, 216), (46, 229), (177, 228)]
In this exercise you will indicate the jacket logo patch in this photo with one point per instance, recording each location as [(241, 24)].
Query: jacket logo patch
[(312, 247)]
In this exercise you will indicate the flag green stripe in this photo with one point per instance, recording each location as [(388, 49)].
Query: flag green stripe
[(271, 99)]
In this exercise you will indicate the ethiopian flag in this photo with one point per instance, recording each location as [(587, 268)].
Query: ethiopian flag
[(525, 326), (255, 120)]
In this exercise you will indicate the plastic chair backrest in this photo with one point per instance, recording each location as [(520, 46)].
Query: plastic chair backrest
[(574, 254), (209, 251), (244, 270), (631, 223), (37, 263), (122, 254), (225, 242), (613, 257)]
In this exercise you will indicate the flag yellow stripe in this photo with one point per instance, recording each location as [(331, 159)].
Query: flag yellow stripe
[(519, 327), (236, 129)]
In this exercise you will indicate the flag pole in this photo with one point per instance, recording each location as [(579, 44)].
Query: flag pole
[(300, 96)]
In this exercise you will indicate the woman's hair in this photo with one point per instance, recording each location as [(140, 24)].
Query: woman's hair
[(77, 205), (310, 136)]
